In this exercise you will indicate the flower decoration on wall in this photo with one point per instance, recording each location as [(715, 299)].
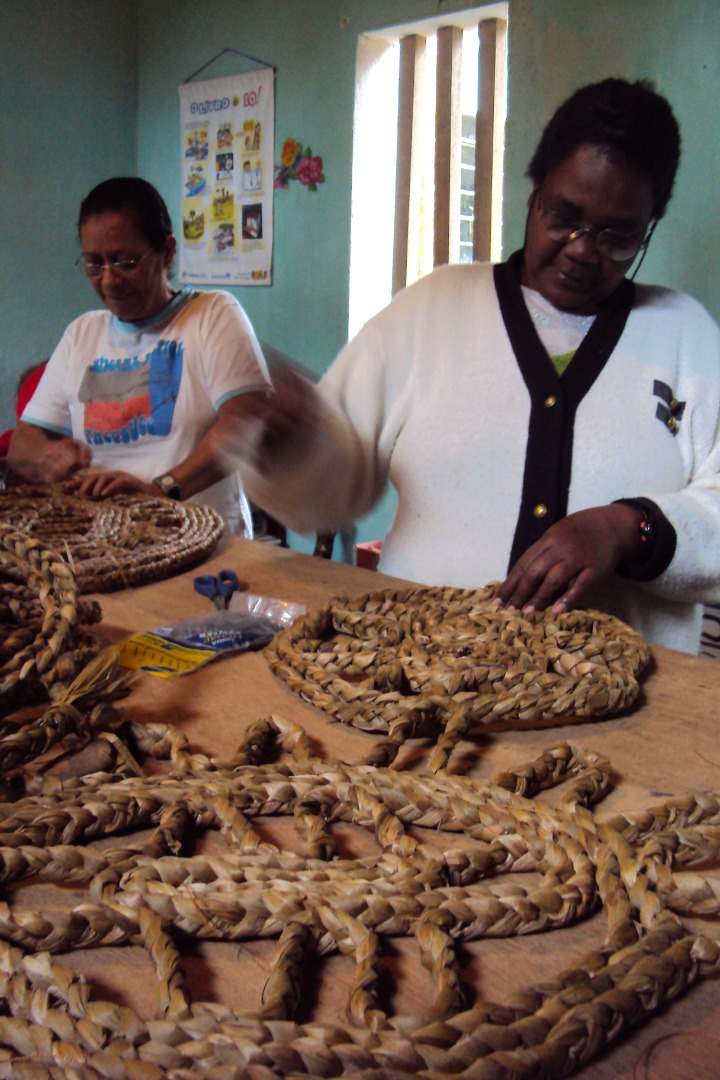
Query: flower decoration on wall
[(299, 164)]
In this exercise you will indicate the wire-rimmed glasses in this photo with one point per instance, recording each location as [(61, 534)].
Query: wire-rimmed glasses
[(614, 245), (122, 267)]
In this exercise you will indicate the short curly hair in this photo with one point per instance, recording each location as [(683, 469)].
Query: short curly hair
[(134, 196), (628, 119)]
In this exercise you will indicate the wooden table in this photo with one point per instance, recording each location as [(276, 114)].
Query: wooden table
[(668, 745)]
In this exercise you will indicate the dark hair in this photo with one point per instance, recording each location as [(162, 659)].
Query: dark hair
[(131, 195), (629, 120)]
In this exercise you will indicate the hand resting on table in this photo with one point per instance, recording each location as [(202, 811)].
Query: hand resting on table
[(572, 557)]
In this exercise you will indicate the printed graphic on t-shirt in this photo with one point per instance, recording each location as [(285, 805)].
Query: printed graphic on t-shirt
[(131, 398)]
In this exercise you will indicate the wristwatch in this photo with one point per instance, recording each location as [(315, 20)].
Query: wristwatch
[(168, 485)]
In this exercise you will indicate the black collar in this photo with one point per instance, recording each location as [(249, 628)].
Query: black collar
[(592, 353)]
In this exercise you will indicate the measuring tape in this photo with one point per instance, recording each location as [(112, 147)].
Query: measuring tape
[(160, 656)]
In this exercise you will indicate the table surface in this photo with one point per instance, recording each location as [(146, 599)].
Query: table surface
[(667, 745)]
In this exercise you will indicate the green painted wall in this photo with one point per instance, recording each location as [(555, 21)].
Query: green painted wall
[(68, 115), (90, 89)]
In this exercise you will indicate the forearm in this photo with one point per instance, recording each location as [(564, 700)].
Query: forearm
[(205, 465), (25, 452), (211, 459), (220, 450), (41, 457), (325, 477)]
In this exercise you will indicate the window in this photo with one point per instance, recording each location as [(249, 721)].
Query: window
[(427, 153)]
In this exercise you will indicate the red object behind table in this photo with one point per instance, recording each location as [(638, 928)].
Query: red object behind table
[(25, 392)]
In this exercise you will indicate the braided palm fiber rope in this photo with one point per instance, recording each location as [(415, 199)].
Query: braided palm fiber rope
[(42, 642), (445, 660), (45, 653), (636, 867), (80, 712), (114, 542)]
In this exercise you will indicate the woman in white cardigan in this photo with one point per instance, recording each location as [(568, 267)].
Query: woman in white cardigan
[(546, 422)]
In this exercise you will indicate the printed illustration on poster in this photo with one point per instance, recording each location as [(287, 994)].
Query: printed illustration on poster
[(227, 138)]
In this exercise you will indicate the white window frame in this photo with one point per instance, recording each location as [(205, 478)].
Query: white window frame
[(391, 135)]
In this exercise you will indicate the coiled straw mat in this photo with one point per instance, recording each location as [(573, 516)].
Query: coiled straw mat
[(441, 876), (444, 660), (43, 641), (114, 542)]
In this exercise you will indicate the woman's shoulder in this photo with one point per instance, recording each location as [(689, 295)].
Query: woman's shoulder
[(89, 323), (669, 323), (658, 300), (455, 274), (212, 304), (212, 298), (456, 281)]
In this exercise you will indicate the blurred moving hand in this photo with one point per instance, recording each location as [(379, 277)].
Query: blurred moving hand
[(274, 424), (44, 458)]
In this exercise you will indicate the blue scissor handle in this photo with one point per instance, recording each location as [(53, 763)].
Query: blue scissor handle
[(217, 587), (227, 583)]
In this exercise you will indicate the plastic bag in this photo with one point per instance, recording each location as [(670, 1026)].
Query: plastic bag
[(250, 622)]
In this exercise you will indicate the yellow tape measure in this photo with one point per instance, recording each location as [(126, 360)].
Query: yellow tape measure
[(159, 656)]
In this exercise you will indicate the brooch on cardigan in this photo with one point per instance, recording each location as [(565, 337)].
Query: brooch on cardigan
[(669, 409)]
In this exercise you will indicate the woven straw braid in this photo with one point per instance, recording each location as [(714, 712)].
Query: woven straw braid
[(81, 712), (114, 542), (314, 902), (445, 660), (43, 637)]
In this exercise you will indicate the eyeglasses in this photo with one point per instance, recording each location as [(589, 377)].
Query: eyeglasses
[(613, 245), (124, 267)]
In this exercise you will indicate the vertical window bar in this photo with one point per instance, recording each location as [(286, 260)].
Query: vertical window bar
[(448, 136), (412, 65), (488, 141)]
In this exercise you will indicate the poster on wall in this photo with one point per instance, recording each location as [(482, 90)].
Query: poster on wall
[(227, 130)]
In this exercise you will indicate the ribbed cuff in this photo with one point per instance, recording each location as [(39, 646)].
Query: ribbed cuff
[(662, 549)]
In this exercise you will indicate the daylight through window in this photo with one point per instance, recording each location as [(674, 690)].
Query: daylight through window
[(427, 152)]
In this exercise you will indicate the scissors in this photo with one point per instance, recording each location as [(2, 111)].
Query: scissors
[(217, 587)]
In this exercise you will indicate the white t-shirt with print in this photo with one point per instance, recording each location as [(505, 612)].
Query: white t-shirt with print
[(142, 395)]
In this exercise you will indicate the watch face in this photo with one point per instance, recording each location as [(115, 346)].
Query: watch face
[(169, 486)]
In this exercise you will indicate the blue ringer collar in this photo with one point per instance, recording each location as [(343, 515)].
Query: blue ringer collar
[(160, 316)]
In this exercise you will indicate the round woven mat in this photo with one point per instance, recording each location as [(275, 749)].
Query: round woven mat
[(112, 543), (417, 660)]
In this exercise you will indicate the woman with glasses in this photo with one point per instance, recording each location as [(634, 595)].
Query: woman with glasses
[(547, 423), (143, 392)]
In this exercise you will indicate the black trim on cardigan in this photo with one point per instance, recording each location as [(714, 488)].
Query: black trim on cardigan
[(553, 400), (663, 548)]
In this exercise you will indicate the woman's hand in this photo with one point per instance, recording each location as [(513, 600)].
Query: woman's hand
[(573, 556), (99, 485), (44, 458), (63, 459)]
